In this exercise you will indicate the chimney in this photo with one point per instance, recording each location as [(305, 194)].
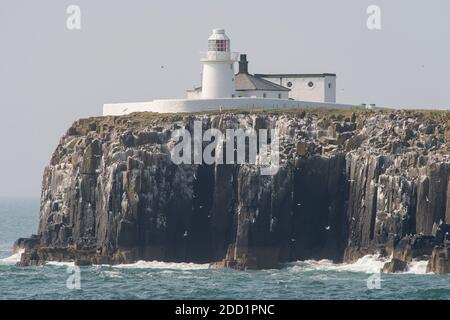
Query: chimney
[(243, 64)]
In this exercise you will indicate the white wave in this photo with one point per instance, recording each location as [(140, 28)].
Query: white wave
[(163, 265), (112, 274), (417, 267), (12, 259), (366, 264), (60, 264)]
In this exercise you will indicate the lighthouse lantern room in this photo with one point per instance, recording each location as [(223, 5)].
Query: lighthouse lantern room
[(218, 67)]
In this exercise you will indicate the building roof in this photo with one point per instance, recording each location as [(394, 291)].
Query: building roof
[(295, 75), (248, 82)]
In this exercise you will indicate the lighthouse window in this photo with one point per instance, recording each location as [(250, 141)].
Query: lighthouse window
[(218, 45)]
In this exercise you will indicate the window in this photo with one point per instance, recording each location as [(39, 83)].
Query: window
[(289, 84), (264, 95), (279, 96), (329, 86), (310, 84), (218, 45)]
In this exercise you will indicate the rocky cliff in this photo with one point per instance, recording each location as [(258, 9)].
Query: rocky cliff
[(349, 183)]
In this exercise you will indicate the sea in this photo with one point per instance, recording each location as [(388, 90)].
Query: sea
[(303, 280)]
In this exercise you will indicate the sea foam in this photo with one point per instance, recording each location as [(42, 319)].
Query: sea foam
[(366, 264), (142, 265), (13, 259), (60, 264), (418, 267), (163, 265)]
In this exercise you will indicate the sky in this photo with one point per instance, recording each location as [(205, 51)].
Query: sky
[(51, 76)]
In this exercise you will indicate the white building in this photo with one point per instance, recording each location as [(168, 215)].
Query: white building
[(306, 87), (221, 88), (219, 80)]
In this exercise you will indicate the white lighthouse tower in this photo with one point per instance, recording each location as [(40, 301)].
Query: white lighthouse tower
[(218, 67)]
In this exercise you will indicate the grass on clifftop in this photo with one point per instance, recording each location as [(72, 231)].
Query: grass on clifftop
[(144, 119)]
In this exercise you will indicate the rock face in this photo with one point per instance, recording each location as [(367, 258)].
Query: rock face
[(440, 260), (395, 265), (349, 183)]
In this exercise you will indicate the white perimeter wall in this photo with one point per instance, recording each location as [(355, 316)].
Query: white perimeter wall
[(184, 105)]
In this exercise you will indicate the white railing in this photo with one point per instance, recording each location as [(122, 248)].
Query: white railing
[(219, 56)]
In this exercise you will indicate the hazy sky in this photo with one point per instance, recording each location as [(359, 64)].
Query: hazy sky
[(50, 76)]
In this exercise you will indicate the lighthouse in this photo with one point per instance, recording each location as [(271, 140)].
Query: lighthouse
[(218, 67)]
